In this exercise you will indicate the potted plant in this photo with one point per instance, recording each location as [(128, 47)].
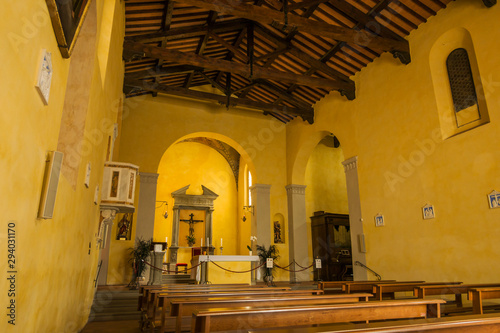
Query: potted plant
[(271, 252), (191, 240), (139, 253)]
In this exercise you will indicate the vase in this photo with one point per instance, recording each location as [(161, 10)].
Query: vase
[(249, 253)]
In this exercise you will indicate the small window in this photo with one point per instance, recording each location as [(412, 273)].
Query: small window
[(463, 90)]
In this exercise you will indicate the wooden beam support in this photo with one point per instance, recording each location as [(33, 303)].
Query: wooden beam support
[(162, 72), (489, 3), (228, 46), (269, 16), (228, 66), (221, 99), (305, 4)]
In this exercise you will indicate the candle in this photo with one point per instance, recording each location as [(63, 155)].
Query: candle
[(208, 243), (221, 242), (201, 242), (166, 240)]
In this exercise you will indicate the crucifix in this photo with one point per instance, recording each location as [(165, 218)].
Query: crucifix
[(191, 223)]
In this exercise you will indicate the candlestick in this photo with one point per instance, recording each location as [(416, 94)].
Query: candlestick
[(221, 250)]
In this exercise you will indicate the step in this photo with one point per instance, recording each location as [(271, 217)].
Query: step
[(129, 315)]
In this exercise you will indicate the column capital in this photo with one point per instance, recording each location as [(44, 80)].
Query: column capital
[(147, 177), (295, 189), (350, 164), (261, 188)]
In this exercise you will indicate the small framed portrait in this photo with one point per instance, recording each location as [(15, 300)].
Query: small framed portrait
[(494, 199), (379, 220), (428, 212)]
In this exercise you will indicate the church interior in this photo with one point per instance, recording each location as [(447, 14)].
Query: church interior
[(358, 133)]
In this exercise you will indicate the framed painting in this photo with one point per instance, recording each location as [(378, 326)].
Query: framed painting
[(67, 18)]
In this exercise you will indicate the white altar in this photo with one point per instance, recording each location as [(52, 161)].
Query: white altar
[(211, 273)]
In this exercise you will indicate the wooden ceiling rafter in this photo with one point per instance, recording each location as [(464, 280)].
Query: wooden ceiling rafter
[(285, 56)]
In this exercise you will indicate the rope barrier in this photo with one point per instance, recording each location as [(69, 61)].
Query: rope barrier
[(228, 270), (231, 271)]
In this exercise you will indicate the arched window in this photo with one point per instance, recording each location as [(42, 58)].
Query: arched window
[(463, 90)]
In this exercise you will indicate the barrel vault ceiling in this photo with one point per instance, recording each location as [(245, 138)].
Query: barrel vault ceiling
[(277, 57)]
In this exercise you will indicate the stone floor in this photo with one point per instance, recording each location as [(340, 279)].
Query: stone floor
[(125, 326)]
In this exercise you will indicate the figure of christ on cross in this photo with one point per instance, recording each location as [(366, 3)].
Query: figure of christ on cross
[(191, 223)]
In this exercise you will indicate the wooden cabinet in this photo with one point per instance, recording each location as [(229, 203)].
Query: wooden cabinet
[(331, 241)]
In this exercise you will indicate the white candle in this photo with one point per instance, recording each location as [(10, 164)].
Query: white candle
[(201, 242), (166, 240), (208, 243), (221, 242)]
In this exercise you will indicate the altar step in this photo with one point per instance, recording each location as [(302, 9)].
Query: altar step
[(177, 278), (112, 304)]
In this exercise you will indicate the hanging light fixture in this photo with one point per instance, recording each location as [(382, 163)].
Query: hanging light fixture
[(165, 214)]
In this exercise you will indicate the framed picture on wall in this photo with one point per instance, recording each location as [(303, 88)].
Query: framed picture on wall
[(428, 212), (494, 199), (67, 18)]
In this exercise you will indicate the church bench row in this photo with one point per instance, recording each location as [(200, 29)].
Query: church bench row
[(160, 299), (488, 323), (145, 290), (380, 290), (477, 295), (213, 320), (457, 291), (182, 307)]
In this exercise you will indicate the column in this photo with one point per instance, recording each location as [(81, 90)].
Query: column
[(355, 217), (146, 207), (175, 239), (297, 226), (208, 230), (261, 220), (107, 216), (155, 275)]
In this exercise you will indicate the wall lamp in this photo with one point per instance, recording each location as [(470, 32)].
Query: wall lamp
[(248, 209), (165, 215)]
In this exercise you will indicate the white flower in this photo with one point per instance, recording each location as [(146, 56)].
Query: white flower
[(253, 238)]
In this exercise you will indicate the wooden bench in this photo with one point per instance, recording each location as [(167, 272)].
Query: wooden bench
[(236, 319), (380, 290), (488, 323), (337, 286), (182, 307), (162, 299), (477, 295), (149, 310), (455, 290)]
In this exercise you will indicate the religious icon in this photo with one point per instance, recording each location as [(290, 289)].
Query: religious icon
[(124, 227), (191, 222), (379, 220), (428, 212), (278, 233), (494, 199)]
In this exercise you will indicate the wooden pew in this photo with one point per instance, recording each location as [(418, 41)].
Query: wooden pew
[(368, 287), (235, 319), (336, 286), (182, 307), (161, 300), (488, 323), (390, 288), (455, 290), (149, 309), (477, 295)]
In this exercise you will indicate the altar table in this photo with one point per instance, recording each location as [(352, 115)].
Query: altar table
[(217, 275)]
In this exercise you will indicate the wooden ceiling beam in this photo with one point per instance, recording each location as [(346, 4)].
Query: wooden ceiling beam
[(228, 46), (269, 16), (306, 4), (182, 58), (194, 31), (162, 72), (283, 94), (221, 99)]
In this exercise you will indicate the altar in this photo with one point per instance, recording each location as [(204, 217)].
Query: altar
[(209, 272)]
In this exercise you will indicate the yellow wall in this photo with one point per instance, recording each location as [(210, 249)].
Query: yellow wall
[(55, 273), (195, 164), (153, 125), (394, 120)]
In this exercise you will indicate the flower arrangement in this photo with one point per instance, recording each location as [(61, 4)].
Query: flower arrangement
[(252, 239)]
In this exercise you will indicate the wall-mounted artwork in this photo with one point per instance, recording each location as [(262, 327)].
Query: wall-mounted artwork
[(428, 212), (279, 229), (379, 220), (124, 227), (494, 199), (67, 19)]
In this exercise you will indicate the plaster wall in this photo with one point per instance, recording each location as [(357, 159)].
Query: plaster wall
[(404, 163), (56, 259)]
